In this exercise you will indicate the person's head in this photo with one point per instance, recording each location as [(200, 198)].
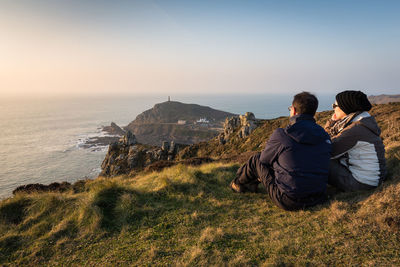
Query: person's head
[(304, 103), (350, 101)]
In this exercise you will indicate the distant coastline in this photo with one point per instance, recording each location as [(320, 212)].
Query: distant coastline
[(383, 99)]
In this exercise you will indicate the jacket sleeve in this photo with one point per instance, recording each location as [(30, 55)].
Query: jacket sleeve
[(272, 148), (344, 141)]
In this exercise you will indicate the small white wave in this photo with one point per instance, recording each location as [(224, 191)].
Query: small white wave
[(55, 148), (99, 148), (71, 148), (95, 171), (82, 139)]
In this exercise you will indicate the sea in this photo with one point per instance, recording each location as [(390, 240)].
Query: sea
[(41, 138)]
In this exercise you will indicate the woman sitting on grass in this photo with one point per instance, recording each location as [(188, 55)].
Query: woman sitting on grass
[(358, 153)]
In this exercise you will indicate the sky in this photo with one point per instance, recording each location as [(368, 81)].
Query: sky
[(100, 47)]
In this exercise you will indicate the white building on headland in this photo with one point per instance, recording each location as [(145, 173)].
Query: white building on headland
[(202, 121)]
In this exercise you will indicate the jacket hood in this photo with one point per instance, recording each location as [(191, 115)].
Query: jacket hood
[(366, 120), (303, 129)]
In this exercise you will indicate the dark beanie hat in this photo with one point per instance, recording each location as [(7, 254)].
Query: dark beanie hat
[(352, 101)]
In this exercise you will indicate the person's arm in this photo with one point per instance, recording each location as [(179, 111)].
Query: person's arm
[(345, 141), (272, 148)]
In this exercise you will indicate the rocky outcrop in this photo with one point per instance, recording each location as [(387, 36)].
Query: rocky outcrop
[(243, 126), (113, 129), (128, 139), (53, 187), (113, 134), (77, 187), (127, 155)]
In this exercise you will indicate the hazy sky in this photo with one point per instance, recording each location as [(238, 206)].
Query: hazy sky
[(85, 47)]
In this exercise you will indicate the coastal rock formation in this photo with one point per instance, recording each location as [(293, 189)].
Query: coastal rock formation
[(113, 129), (127, 155), (77, 187), (247, 123), (114, 132), (128, 139), (53, 187)]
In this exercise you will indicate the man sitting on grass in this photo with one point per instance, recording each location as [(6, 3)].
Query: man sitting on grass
[(294, 165)]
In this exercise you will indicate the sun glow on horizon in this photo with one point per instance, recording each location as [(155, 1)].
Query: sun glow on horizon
[(73, 47)]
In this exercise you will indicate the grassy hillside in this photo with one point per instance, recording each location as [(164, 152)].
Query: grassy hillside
[(188, 216)]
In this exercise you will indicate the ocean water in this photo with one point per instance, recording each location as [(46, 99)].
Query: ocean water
[(41, 138)]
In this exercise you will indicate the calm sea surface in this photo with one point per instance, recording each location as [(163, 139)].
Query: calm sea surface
[(40, 138)]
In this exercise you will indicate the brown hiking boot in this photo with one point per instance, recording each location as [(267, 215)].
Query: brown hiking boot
[(236, 188)]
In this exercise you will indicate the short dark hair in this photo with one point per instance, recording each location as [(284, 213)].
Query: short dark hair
[(305, 103)]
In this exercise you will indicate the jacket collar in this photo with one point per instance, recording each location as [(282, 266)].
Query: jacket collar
[(361, 116), (301, 117)]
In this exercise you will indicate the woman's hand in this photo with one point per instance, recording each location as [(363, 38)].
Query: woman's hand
[(330, 122)]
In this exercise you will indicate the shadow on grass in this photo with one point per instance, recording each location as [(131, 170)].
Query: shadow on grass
[(13, 211), (8, 245), (120, 206)]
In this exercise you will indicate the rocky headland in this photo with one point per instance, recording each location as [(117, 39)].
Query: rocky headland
[(170, 121), (178, 122), (127, 156)]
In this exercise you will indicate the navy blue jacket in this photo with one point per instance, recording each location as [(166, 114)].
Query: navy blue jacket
[(299, 156)]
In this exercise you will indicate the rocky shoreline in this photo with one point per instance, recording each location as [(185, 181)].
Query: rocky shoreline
[(112, 134)]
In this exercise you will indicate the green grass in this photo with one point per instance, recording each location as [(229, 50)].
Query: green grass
[(188, 216)]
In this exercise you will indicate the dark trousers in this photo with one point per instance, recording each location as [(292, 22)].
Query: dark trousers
[(341, 178), (254, 172)]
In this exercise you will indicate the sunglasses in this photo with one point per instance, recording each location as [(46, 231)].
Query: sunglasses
[(334, 106)]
